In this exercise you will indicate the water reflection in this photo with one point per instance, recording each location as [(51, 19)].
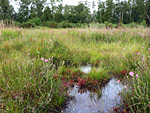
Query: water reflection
[(86, 69), (88, 102)]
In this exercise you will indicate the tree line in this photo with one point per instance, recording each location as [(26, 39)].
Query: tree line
[(42, 12)]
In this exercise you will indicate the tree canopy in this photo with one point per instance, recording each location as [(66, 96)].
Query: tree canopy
[(114, 11)]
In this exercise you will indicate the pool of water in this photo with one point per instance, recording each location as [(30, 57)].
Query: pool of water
[(90, 102), (86, 69)]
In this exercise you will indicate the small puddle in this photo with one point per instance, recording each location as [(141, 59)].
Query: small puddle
[(86, 69), (89, 102)]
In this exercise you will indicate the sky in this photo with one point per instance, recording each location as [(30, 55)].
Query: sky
[(75, 2), (68, 2)]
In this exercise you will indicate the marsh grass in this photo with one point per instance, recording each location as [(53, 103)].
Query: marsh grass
[(137, 97), (27, 83)]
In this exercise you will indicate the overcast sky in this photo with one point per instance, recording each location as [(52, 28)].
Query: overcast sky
[(75, 2), (69, 2)]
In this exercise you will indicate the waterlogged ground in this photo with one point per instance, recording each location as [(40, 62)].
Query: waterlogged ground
[(86, 101), (38, 66)]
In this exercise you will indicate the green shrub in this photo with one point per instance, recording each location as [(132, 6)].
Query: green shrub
[(66, 24), (101, 25), (52, 24), (143, 23), (108, 25), (36, 21), (132, 25), (78, 24), (17, 24), (27, 24), (31, 23)]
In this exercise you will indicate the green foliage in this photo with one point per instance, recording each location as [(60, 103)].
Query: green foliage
[(47, 15), (108, 25), (66, 24), (52, 24), (6, 10), (125, 12), (133, 25), (27, 24), (143, 23), (24, 12), (109, 9), (35, 21), (58, 17)]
